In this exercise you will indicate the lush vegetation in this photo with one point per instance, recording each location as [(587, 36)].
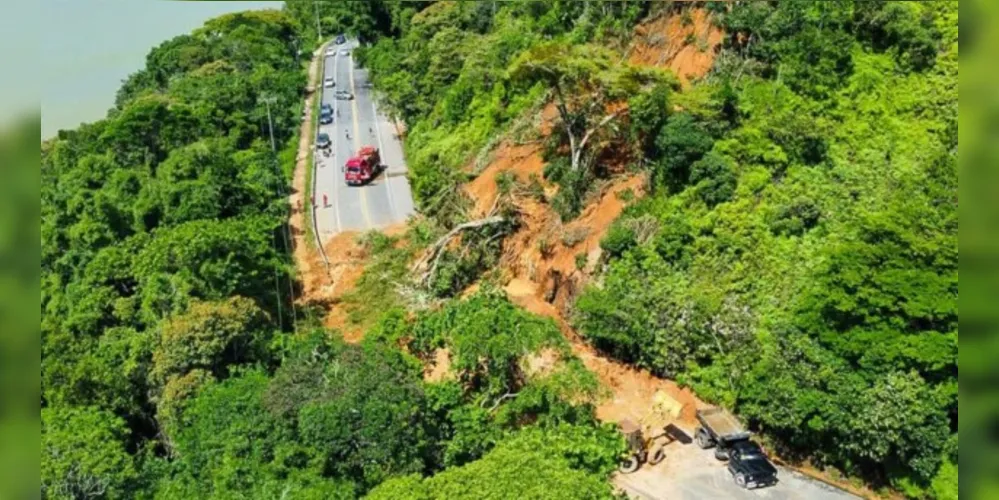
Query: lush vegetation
[(175, 364), (801, 265), (796, 259)]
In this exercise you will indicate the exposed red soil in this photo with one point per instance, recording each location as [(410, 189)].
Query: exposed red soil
[(687, 50), (440, 369)]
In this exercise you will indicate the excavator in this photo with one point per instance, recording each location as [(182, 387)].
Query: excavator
[(647, 438)]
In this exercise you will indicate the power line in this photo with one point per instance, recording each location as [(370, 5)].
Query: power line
[(268, 100), (319, 28)]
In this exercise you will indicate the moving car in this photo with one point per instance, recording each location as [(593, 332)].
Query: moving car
[(343, 95), (328, 82), (344, 52), (340, 39), (323, 141)]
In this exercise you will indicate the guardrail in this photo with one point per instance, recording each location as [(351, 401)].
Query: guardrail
[(318, 87)]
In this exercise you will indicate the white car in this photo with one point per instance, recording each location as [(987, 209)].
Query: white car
[(328, 82), (344, 52)]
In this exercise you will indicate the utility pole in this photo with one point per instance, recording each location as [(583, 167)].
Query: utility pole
[(319, 28)]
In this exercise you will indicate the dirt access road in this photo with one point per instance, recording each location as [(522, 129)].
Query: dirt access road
[(692, 473)]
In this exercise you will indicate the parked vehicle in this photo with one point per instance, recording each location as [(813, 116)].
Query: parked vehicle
[(749, 465), (323, 141), (340, 40), (325, 117), (746, 461), (363, 167), (329, 83)]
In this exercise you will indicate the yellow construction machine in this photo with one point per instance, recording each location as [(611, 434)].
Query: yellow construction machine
[(647, 439)]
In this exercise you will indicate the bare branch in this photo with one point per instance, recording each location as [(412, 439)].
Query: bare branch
[(436, 250)]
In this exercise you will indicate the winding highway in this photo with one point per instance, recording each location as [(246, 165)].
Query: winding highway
[(357, 122)]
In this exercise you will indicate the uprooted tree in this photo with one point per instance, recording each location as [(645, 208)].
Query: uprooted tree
[(586, 82)]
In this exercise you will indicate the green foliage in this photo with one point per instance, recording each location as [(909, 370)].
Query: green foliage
[(376, 290), (944, 486), (159, 261), (211, 337), (84, 455), (681, 142), (487, 335), (230, 446), (565, 462), (713, 178)]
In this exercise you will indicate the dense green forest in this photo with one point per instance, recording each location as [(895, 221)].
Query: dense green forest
[(795, 260)]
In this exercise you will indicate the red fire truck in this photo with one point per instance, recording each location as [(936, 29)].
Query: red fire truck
[(363, 167)]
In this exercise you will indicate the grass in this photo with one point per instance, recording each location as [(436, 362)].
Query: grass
[(310, 235)]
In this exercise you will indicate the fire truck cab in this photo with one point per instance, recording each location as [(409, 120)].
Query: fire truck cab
[(363, 167)]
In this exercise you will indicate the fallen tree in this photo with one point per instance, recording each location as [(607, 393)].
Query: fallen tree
[(427, 265)]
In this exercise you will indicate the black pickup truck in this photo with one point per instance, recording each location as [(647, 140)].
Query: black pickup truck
[(746, 461), (750, 466)]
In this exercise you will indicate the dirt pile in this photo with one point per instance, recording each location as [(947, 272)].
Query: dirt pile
[(684, 42)]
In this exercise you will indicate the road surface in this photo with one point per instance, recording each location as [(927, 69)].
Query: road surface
[(357, 122), (692, 473)]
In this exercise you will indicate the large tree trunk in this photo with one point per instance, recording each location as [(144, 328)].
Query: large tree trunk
[(437, 249)]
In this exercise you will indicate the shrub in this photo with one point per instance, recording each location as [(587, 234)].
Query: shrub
[(619, 238), (546, 247), (714, 178), (573, 236)]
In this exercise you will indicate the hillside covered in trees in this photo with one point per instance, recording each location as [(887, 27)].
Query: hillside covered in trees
[(791, 256)]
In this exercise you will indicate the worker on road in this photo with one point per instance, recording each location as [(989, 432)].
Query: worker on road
[(326, 202)]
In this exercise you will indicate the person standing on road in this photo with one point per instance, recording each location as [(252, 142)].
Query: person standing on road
[(326, 202)]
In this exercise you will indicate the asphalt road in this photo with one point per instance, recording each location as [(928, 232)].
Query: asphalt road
[(692, 473), (357, 123)]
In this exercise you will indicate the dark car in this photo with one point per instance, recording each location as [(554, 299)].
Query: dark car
[(325, 118), (340, 39), (749, 465), (323, 141), (326, 108)]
